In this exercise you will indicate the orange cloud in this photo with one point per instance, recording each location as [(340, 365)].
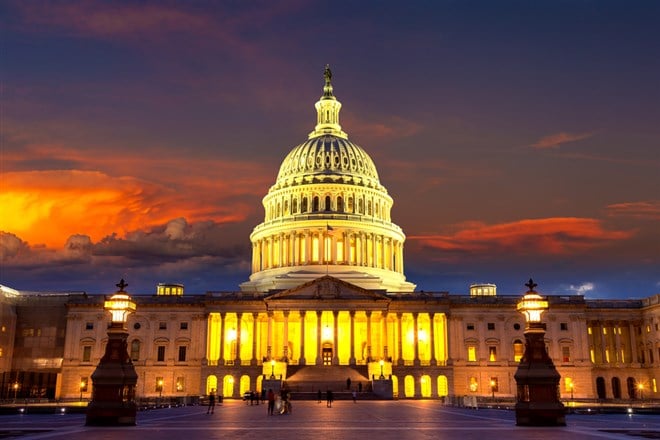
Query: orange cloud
[(643, 210), (554, 236), (393, 127), (555, 140), (49, 206)]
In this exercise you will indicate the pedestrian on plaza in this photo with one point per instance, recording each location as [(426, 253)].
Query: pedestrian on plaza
[(211, 407), (251, 398), (329, 398), (319, 395), (354, 396), (263, 395), (271, 401)]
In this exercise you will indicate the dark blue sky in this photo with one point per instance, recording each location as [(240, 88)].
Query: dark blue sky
[(517, 139)]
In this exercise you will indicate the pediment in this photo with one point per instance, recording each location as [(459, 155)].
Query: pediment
[(328, 288)]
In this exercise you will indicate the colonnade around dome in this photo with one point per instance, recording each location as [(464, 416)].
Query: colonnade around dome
[(320, 246)]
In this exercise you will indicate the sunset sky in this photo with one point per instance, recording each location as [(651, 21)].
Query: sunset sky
[(518, 138)]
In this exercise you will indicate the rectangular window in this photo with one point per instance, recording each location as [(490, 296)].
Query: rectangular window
[(162, 325), (563, 326), (589, 331), (491, 326), (182, 353), (83, 384), (89, 326), (492, 354), (180, 383), (183, 326), (607, 355), (472, 353), (87, 353), (604, 330), (566, 354), (470, 326), (161, 353), (474, 385), (135, 350), (494, 385)]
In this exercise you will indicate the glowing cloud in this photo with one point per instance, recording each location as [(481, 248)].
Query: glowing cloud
[(641, 210), (550, 236), (555, 140)]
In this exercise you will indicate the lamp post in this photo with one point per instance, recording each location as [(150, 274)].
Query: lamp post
[(570, 386), (640, 387), (15, 391), (82, 387), (537, 379), (160, 389), (114, 380), (382, 362), (272, 369), (492, 389)]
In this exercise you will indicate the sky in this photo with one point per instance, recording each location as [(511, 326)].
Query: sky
[(518, 139)]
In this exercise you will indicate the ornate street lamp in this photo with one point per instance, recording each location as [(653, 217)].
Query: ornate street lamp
[(640, 387), (382, 362), (492, 388), (15, 391), (272, 369), (114, 380), (537, 379)]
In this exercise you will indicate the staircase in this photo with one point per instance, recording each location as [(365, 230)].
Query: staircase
[(305, 381)]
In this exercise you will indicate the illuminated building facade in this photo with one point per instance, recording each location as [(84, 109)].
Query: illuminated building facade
[(327, 300)]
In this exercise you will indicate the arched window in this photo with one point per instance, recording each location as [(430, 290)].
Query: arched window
[(303, 207), (600, 387), (351, 208), (279, 210), (376, 210), (328, 206), (518, 349), (286, 207), (360, 206), (294, 206), (315, 204), (616, 388), (369, 212), (340, 204), (632, 387), (409, 386)]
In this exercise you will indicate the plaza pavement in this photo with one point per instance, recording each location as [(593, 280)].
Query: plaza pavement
[(372, 420)]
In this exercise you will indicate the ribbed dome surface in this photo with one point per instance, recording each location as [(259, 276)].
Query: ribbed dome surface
[(326, 155)]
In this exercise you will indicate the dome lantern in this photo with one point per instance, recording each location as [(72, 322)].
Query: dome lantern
[(327, 110)]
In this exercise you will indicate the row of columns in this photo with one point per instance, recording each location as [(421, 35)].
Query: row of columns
[(337, 205), (610, 340), (319, 340), (334, 247)]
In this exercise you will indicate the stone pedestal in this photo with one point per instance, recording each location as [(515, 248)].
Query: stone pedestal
[(113, 384), (537, 380)]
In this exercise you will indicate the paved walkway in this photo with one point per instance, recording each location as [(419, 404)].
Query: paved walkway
[(400, 420)]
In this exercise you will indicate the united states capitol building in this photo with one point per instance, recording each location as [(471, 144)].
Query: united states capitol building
[(327, 301)]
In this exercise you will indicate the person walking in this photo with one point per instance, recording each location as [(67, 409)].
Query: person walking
[(271, 401), (319, 395), (211, 407), (329, 397), (354, 396)]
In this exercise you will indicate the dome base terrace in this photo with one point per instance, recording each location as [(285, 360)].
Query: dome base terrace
[(364, 277)]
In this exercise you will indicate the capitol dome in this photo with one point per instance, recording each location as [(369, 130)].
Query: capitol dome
[(327, 214)]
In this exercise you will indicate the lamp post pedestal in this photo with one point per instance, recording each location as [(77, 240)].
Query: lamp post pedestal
[(537, 380), (113, 384)]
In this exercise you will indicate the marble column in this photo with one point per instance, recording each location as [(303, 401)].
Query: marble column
[(400, 340), (351, 360), (319, 346), (302, 360), (335, 348), (255, 321)]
